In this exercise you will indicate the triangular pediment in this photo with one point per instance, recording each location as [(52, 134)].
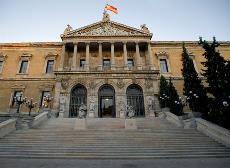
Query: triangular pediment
[(106, 29)]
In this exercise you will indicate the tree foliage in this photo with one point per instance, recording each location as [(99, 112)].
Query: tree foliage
[(217, 74), (193, 88), (174, 101), (164, 92)]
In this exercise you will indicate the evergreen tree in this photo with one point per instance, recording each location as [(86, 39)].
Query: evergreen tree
[(164, 93), (214, 69), (174, 101), (193, 88), (217, 76)]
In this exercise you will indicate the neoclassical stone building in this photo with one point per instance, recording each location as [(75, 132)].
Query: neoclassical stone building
[(105, 65)]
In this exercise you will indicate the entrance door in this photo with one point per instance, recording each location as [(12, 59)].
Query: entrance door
[(107, 102), (77, 98), (136, 100)]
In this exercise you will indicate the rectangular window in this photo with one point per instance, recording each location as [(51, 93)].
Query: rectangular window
[(130, 63), (106, 63), (16, 94), (82, 63), (23, 66), (163, 66), (1, 66), (49, 66), (44, 93)]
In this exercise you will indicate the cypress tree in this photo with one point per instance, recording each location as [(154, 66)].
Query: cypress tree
[(164, 93), (193, 88), (217, 76), (214, 69), (174, 101)]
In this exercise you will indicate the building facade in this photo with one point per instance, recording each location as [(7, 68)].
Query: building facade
[(106, 66)]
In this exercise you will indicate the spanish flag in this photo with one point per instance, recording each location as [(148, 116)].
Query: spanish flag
[(111, 8)]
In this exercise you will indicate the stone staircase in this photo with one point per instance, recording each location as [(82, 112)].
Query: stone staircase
[(107, 139)]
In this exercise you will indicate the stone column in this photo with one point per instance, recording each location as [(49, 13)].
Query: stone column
[(138, 57), (74, 63), (112, 57), (100, 56), (62, 58), (87, 57), (125, 56), (149, 60)]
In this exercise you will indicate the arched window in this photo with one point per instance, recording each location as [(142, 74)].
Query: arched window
[(78, 96), (136, 100)]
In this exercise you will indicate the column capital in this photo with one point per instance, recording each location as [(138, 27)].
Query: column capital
[(124, 42), (137, 42), (75, 43)]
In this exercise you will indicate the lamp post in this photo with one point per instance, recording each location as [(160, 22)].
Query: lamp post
[(47, 100), (19, 100), (30, 105), (164, 99), (191, 98)]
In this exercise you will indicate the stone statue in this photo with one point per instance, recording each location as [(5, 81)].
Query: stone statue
[(68, 29), (121, 105), (150, 106), (144, 28), (130, 112), (92, 105), (106, 17), (82, 111)]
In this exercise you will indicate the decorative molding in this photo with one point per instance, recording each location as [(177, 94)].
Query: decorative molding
[(51, 55), (107, 28), (120, 83), (27, 56), (18, 87), (3, 57), (46, 87), (92, 85), (162, 53), (148, 83)]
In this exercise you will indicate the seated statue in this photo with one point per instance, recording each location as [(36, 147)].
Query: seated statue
[(82, 111), (130, 112), (144, 28)]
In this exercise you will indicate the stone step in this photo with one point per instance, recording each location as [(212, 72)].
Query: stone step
[(107, 139), (113, 156)]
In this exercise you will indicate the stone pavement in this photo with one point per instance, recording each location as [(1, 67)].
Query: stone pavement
[(104, 163)]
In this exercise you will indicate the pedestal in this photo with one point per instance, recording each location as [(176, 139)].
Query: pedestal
[(152, 113), (91, 114), (80, 124), (122, 114), (130, 124)]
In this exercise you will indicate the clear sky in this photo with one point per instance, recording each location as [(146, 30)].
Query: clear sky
[(184, 20)]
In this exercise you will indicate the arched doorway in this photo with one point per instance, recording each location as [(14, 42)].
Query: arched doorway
[(106, 97), (77, 97), (136, 100)]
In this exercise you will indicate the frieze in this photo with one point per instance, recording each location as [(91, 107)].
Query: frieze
[(120, 83), (92, 85), (148, 83), (65, 82)]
